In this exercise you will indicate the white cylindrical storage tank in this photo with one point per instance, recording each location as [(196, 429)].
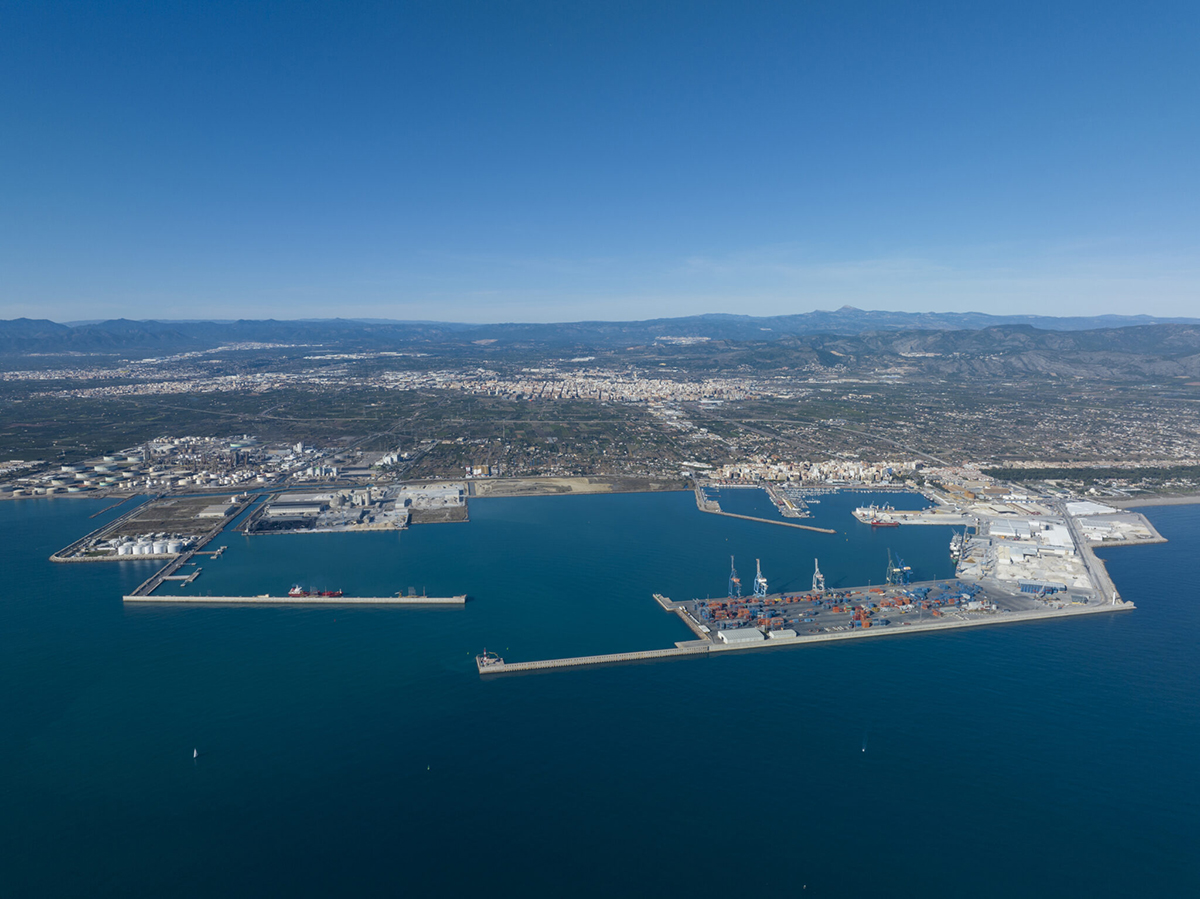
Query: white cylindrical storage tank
[(159, 547), (124, 549), (175, 546)]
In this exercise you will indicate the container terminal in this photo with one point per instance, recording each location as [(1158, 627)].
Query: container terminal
[(793, 619), (764, 620)]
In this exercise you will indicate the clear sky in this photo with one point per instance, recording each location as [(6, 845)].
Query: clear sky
[(496, 161)]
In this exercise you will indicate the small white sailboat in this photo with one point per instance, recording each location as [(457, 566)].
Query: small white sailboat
[(195, 753)]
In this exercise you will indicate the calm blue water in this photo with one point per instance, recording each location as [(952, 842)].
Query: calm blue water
[(357, 751)]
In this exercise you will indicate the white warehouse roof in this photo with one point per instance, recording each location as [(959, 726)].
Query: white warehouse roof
[(741, 635)]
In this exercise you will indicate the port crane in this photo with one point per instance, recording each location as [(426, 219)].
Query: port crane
[(897, 572), (735, 582), (818, 578), (760, 582)]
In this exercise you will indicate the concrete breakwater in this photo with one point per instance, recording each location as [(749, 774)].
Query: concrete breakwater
[(304, 600), (713, 508), (497, 665), (786, 524)]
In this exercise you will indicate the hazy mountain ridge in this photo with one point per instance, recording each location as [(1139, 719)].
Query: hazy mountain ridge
[(118, 335), (1143, 351)]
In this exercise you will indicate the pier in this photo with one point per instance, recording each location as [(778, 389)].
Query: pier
[(185, 578)]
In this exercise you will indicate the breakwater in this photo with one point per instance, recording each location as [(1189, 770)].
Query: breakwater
[(494, 665), (786, 524), (704, 504), (302, 600)]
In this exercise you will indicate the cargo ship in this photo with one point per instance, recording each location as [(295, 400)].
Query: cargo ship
[(298, 591), (871, 515)]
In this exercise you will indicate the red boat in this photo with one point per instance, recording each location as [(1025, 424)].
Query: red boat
[(876, 523), (297, 590)]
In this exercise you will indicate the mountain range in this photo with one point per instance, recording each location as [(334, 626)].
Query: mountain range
[(23, 335)]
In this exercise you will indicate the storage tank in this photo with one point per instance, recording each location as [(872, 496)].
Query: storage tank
[(125, 549), (175, 546), (159, 548)]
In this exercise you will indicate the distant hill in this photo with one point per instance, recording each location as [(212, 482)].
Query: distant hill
[(20, 336)]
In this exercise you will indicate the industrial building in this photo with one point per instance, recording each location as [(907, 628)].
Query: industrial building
[(740, 635), (217, 510)]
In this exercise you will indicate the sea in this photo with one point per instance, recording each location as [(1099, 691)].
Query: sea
[(357, 751)]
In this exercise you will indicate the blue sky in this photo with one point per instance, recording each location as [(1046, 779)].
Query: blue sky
[(552, 161)]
